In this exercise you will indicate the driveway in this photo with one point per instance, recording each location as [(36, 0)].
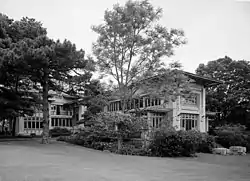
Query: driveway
[(31, 161)]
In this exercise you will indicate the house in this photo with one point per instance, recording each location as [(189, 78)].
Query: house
[(63, 111), (184, 113)]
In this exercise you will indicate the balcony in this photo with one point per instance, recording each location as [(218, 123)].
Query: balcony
[(61, 113)]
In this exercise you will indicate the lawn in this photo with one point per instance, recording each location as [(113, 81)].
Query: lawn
[(31, 161)]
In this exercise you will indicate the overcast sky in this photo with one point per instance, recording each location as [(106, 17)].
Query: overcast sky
[(214, 28)]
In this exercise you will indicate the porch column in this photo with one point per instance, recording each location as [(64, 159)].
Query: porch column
[(176, 113), (50, 115), (202, 126)]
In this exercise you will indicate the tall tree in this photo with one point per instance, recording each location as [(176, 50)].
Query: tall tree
[(43, 63), (15, 98), (131, 43), (49, 63), (234, 93), (95, 98)]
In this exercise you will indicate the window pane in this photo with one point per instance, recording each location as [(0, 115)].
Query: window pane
[(37, 125), (141, 102), (33, 124), (52, 122), (59, 122), (25, 124), (56, 122), (120, 105), (29, 124)]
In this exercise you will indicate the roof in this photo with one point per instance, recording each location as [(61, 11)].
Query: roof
[(206, 81), (210, 113)]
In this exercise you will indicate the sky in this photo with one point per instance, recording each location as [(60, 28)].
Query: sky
[(213, 28)]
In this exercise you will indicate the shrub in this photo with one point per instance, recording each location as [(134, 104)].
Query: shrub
[(231, 138), (237, 128), (171, 143), (57, 131), (130, 149), (207, 144)]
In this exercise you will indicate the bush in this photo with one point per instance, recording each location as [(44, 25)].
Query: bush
[(229, 138), (130, 149), (57, 131), (171, 143), (207, 144)]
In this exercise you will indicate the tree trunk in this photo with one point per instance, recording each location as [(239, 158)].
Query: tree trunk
[(45, 135), (3, 127), (13, 131), (119, 139)]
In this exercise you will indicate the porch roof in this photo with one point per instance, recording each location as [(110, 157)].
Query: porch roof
[(210, 113), (206, 81), (154, 109)]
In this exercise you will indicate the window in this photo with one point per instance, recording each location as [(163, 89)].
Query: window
[(189, 121), (152, 102), (25, 124), (141, 102), (29, 124), (192, 100), (56, 122), (157, 119), (52, 122), (33, 124), (147, 102), (37, 125), (120, 105), (158, 102), (41, 125), (59, 122)]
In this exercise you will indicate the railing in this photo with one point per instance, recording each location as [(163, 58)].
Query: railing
[(68, 113)]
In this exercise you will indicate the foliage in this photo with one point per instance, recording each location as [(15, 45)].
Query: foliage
[(207, 144), (57, 131), (230, 138), (172, 143), (105, 145), (33, 60), (164, 143), (95, 98), (232, 98), (238, 128), (91, 140), (104, 135), (13, 104), (130, 149), (131, 43), (120, 123), (15, 96)]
